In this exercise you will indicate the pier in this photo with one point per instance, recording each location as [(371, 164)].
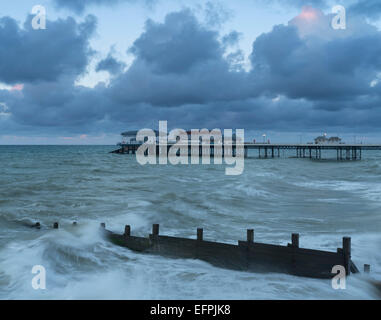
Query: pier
[(248, 255), (342, 152)]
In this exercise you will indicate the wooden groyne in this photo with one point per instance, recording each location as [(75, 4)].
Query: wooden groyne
[(247, 255)]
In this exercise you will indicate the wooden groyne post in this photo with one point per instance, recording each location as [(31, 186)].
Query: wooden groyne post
[(295, 240), (250, 236), (155, 230), (200, 234), (347, 254), (127, 231)]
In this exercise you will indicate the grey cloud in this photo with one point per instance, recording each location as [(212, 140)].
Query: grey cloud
[(338, 66), (231, 39), (111, 65), (179, 62), (180, 74), (176, 45), (59, 107), (368, 8), (28, 55)]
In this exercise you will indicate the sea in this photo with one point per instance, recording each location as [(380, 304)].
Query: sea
[(322, 200)]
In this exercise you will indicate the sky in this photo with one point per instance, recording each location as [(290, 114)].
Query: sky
[(277, 67)]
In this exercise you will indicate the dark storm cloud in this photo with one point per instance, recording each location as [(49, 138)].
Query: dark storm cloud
[(28, 55), (58, 104), (304, 75), (179, 62), (317, 66), (111, 65), (176, 45)]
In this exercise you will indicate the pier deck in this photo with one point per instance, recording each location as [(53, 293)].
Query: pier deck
[(267, 150)]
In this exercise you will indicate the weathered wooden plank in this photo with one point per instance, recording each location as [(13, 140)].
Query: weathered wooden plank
[(247, 255)]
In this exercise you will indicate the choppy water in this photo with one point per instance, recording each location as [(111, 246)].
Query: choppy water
[(323, 201)]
